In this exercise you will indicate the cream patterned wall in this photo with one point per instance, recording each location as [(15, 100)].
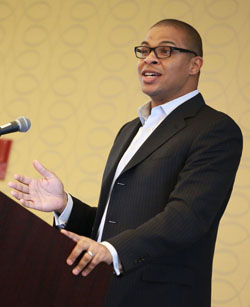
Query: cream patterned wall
[(69, 66)]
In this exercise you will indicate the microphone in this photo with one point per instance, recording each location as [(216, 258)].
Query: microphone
[(21, 124)]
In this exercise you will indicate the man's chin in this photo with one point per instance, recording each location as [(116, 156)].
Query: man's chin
[(147, 91), (150, 93)]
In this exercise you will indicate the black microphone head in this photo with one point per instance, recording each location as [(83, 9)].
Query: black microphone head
[(23, 123)]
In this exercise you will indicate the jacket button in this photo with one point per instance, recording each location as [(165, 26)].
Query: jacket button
[(112, 222), (139, 260)]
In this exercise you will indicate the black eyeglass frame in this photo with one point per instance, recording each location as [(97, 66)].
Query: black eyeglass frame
[(165, 57)]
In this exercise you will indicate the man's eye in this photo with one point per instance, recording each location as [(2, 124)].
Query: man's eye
[(143, 51), (164, 50)]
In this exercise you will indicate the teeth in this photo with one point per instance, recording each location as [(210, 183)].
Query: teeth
[(150, 74)]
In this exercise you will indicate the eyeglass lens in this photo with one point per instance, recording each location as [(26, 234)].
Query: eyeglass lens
[(161, 51)]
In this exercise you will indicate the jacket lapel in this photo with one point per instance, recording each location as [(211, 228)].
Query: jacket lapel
[(122, 141), (167, 129)]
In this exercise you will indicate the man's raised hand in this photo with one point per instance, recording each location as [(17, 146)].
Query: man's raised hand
[(44, 194)]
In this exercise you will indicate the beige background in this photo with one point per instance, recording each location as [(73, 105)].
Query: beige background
[(69, 66)]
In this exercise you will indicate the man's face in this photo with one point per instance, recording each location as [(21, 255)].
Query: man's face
[(171, 77)]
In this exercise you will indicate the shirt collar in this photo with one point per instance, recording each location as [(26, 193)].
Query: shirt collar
[(145, 110)]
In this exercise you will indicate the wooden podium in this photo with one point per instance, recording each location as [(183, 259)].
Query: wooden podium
[(33, 269)]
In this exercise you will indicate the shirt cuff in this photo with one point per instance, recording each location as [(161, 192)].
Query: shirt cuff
[(62, 219), (116, 261)]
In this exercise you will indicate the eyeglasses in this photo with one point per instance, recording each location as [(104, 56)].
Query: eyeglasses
[(161, 52)]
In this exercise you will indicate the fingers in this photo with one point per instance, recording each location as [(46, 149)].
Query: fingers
[(23, 198), (21, 189), (27, 203), (99, 254), (86, 264), (93, 262), (21, 184), (24, 188), (27, 180), (42, 170), (80, 247), (95, 253), (19, 195), (71, 235), (23, 179)]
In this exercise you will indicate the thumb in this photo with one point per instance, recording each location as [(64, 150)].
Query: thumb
[(42, 170)]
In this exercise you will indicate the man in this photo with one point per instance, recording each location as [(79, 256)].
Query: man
[(166, 184)]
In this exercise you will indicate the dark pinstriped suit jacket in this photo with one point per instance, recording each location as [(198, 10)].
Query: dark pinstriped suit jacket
[(165, 207)]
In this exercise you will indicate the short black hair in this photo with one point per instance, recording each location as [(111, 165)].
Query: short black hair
[(194, 41)]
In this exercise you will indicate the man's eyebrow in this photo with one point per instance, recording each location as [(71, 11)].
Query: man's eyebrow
[(162, 42)]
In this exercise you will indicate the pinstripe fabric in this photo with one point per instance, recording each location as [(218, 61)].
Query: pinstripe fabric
[(167, 210)]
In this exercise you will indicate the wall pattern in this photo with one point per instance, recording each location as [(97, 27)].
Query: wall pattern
[(69, 67)]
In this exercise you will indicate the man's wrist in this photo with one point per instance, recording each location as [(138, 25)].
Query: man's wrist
[(116, 261), (62, 219), (65, 202)]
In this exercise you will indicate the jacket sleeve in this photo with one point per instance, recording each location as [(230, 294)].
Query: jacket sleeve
[(81, 218)]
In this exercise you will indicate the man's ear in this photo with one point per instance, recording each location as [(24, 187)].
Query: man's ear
[(196, 64)]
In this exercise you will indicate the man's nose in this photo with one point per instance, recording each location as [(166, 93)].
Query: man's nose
[(151, 58)]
